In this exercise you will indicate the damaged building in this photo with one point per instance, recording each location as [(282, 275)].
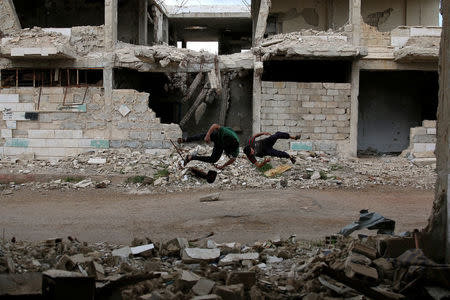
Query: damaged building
[(347, 75)]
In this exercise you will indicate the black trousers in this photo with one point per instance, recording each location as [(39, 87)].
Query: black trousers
[(268, 143), (217, 150)]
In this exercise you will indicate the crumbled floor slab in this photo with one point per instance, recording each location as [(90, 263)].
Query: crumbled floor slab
[(309, 43)]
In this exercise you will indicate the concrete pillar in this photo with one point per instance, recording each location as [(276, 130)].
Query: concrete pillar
[(110, 23), (355, 19), (158, 19), (256, 100), (9, 22), (143, 22), (436, 236), (261, 23)]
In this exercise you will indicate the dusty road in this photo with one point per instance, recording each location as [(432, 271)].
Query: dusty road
[(240, 215)]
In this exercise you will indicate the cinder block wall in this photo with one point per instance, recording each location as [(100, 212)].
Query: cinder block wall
[(320, 112), (56, 130), (423, 140)]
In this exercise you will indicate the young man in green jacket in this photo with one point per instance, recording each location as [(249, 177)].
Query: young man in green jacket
[(224, 139)]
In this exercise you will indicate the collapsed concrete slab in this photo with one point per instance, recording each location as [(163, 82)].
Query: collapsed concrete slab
[(309, 43)]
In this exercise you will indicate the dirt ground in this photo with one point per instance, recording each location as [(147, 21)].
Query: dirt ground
[(240, 215)]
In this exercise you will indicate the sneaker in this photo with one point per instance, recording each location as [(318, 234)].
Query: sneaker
[(298, 136), (187, 159), (180, 140), (293, 159)]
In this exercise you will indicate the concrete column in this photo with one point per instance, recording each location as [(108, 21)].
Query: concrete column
[(158, 20), (143, 22), (436, 237), (110, 23), (256, 100), (261, 23), (355, 19)]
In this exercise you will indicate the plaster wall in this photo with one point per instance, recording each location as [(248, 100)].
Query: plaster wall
[(389, 14)]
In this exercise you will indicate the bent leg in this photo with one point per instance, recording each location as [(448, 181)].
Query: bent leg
[(215, 156), (271, 140), (276, 153)]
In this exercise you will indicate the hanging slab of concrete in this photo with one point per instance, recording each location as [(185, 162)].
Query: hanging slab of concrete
[(58, 52)]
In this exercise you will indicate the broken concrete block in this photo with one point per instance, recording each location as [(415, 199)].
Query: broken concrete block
[(186, 280), (193, 255), (203, 287), (273, 259), (383, 264), (83, 183), (359, 259), (230, 292), (199, 112), (173, 247), (123, 252), (247, 278), (97, 161), (364, 250), (315, 175), (65, 263), (80, 258), (140, 250), (210, 197), (353, 270), (207, 297), (96, 270), (237, 257)]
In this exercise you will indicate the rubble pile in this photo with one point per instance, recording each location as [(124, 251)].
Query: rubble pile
[(202, 269), (134, 170)]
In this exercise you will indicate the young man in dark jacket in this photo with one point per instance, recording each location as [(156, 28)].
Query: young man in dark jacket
[(264, 147), (224, 139)]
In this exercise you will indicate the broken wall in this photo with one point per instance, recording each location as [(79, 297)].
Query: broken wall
[(320, 112), (309, 14), (9, 22), (423, 140), (39, 123)]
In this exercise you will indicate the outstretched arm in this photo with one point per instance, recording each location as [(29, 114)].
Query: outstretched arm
[(261, 164), (210, 131)]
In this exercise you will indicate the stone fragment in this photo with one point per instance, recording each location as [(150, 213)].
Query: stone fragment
[(273, 259), (80, 258), (230, 292), (10, 264), (96, 270), (140, 250), (173, 247), (237, 257), (364, 250), (247, 278), (353, 270), (359, 259), (210, 197), (97, 161), (315, 175), (203, 287), (194, 255), (83, 183), (186, 280), (123, 252), (65, 263)]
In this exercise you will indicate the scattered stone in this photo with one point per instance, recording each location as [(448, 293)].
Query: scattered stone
[(122, 252), (194, 255), (210, 198), (230, 292), (237, 257), (247, 278), (203, 287), (140, 250), (97, 161)]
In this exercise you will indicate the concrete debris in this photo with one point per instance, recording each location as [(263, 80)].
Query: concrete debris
[(141, 249), (277, 171), (127, 170), (309, 271), (210, 198)]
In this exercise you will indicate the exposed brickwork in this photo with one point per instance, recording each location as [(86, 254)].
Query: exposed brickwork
[(319, 111), (423, 140)]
